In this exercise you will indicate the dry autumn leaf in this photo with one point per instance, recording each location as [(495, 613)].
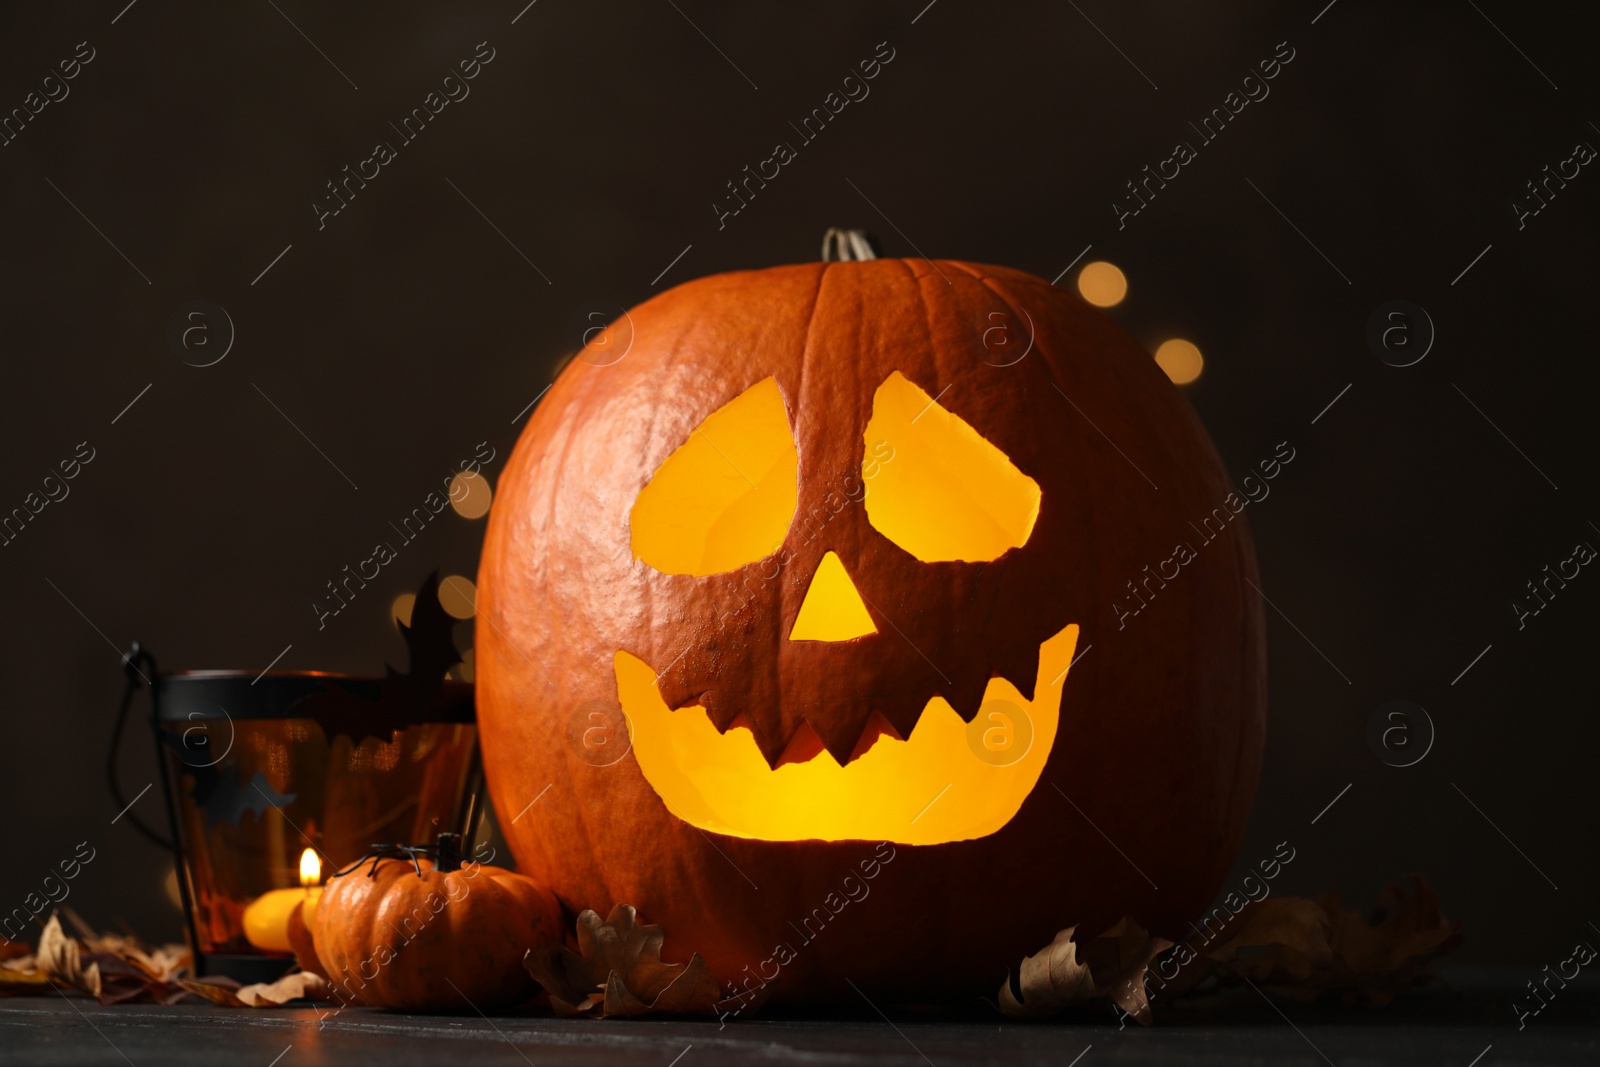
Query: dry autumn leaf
[(1301, 949), (111, 968), (1289, 947), (302, 985), (214, 990), (118, 970), (61, 959), (1109, 967), (1377, 957), (1291, 932), (1119, 960), (1049, 980), (618, 971)]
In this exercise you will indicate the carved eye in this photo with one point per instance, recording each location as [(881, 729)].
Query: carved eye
[(726, 496), (935, 487)]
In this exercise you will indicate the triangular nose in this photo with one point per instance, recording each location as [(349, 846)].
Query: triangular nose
[(832, 609)]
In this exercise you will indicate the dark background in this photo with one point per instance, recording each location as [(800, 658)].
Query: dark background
[(408, 330)]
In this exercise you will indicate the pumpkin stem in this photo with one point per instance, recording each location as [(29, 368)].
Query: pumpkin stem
[(846, 245), (447, 857)]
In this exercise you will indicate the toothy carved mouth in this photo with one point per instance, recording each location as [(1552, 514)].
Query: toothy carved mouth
[(930, 788)]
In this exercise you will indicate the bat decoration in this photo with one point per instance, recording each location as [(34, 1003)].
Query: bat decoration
[(430, 650), (403, 699), (339, 707), (216, 787), (228, 799)]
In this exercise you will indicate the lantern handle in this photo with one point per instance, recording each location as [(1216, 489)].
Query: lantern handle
[(131, 661)]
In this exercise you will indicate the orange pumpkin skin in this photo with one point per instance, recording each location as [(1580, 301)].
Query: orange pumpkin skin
[(303, 940), (399, 941), (1162, 723)]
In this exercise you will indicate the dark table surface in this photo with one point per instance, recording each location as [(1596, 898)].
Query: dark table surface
[(1468, 1022)]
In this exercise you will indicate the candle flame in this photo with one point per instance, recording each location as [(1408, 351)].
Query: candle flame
[(310, 867)]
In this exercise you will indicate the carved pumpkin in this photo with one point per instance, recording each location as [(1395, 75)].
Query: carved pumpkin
[(431, 934), (831, 535)]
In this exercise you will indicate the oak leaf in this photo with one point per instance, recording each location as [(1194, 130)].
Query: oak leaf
[(60, 959), (1049, 980), (1302, 949), (215, 989), (1119, 960), (116, 970), (1066, 972), (1289, 947), (1375, 958), (112, 968), (618, 971), (1284, 937)]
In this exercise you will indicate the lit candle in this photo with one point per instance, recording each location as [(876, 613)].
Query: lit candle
[(266, 919)]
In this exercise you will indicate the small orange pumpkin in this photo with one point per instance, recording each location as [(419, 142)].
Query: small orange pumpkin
[(303, 940), (418, 930)]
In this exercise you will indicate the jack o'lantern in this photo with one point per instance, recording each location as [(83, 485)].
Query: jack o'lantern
[(876, 560)]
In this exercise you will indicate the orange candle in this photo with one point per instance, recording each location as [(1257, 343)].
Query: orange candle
[(266, 919)]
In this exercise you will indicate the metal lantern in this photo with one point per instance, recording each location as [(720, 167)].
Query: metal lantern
[(276, 780)]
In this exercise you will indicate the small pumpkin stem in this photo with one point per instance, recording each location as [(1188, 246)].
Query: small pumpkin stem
[(448, 854), (846, 245)]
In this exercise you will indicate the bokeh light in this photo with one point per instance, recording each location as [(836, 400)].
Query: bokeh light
[(459, 596), (1102, 284), (400, 610), (463, 671), (470, 495), (1181, 360)]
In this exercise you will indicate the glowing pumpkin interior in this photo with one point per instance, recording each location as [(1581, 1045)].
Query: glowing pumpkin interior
[(726, 498), (832, 610), (948, 494)]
